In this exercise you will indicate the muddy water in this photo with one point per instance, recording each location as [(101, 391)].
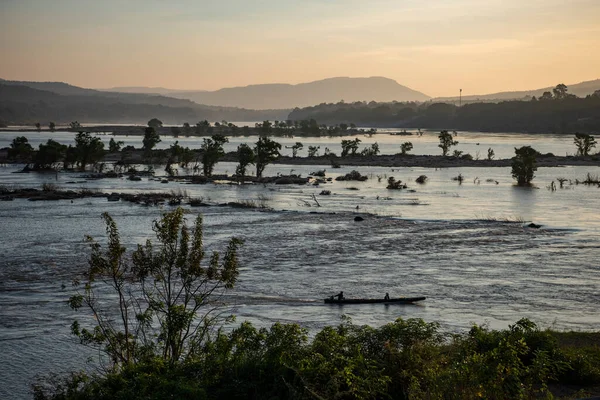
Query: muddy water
[(444, 240)]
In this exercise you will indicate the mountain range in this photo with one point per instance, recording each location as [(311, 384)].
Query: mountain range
[(281, 95), (23, 102), (333, 90)]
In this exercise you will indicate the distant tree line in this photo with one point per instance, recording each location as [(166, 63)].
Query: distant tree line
[(556, 112), (89, 150)]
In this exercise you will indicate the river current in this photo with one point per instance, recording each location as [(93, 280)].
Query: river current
[(466, 247)]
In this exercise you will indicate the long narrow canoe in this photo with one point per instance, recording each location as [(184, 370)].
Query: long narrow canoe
[(399, 300)]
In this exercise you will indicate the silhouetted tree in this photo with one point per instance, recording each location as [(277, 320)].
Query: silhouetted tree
[(524, 165), (584, 143), (245, 157), (151, 139), (89, 149), (266, 127), (373, 150), (20, 149), (155, 123), (158, 293), (114, 146), (350, 146), (560, 91), (213, 151), (266, 151), (295, 148), (49, 154), (406, 147), (52, 126), (71, 157), (446, 141), (202, 127), (187, 129)]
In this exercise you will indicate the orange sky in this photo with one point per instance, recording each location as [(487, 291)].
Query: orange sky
[(435, 46)]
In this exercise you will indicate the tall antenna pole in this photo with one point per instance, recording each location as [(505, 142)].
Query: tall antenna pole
[(460, 98)]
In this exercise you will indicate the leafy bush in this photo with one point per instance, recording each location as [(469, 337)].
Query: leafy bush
[(405, 359), (352, 176)]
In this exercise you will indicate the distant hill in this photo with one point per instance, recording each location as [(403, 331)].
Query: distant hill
[(579, 89), (31, 102), (280, 95), (146, 90), (137, 98)]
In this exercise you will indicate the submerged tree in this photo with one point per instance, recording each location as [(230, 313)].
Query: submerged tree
[(159, 293), (406, 147), (373, 150), (213, 151), (584, 143), (446, 141), (88, 149), (350, 146), (20, 148), (151, 139), (114, 146), (49, 154), (155, 123), (266, 151), (524, 165), (245, 157), (295, 148)]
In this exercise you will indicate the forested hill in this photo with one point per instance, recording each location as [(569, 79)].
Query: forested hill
[(559, 115), (581, 89), (31, 102)]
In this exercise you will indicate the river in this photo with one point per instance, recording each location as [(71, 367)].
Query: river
[(465, 246)]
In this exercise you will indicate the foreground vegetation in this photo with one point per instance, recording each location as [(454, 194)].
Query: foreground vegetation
[(159, 337), (405, 359)]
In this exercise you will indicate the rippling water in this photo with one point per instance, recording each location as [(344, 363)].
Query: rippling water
[(446, 241)]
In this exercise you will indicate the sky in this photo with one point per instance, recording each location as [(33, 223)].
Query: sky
[(434, 46)]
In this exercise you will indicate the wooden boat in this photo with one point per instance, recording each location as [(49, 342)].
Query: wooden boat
[(398, 300)]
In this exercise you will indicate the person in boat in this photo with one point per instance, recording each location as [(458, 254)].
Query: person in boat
[(387, 296), (340, 296)]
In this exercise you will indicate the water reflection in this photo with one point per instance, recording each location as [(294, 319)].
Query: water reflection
[(524, 200)]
